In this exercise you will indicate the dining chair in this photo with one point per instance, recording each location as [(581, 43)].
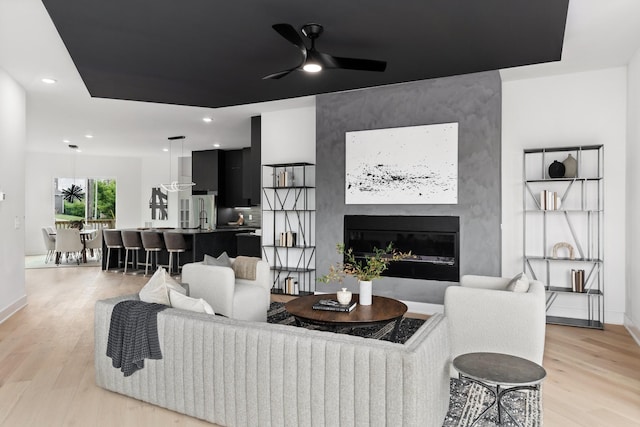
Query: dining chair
[(49, 244), (68, 243), (95, 244)]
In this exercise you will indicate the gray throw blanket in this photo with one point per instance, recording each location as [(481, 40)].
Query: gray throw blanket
[(133, 335)]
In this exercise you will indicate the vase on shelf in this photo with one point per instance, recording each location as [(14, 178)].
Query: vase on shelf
[(365, 292), (570, 167), (556, 170)]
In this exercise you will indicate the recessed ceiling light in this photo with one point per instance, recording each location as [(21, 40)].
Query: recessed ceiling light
[(48, 80), (88, 136), (79, 150), (165, 149), (207, 119), (216, 145), (66, 141)]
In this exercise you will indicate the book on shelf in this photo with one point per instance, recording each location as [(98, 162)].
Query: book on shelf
[(287, 239), (285, 179), (333, 305), (549, 200)]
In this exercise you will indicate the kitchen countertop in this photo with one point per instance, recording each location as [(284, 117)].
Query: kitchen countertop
[(198, 231)]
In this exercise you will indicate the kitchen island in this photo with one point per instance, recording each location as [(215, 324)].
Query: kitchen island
[(199, 242)]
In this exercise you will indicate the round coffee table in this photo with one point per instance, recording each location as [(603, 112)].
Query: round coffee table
[(499, 370), (381, 312)]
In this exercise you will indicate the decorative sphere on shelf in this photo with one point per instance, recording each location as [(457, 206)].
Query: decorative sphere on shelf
[(556, 170)]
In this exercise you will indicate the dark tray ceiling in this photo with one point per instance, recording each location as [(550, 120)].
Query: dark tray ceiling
[(215, 53)]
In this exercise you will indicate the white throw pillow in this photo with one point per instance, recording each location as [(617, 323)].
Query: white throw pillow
[(187, 303), (222, 261), (520, 283), (157, 288)]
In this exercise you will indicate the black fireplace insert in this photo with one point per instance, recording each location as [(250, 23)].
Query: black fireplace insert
[(434, 242)]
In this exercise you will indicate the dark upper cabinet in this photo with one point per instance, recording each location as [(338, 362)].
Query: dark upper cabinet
[(234, 175), (207, 171), (247, 178), (256, 160), (232, 195)]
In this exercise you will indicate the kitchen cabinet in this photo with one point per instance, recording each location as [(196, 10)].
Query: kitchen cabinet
[(207, 171), (256, 160), (232, 194)]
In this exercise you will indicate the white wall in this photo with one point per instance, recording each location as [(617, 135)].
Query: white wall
[(41, 168), (575, 109), (156, 171), (632, 312), (12, 151), (289, 136)]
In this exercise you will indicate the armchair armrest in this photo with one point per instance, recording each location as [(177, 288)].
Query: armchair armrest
[(484, 282), (216, 285), (263, 279), (487, 320)]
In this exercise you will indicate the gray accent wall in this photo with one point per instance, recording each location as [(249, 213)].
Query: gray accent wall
[(474, 102)]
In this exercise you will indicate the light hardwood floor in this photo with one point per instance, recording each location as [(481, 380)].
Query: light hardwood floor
[(47, 375)]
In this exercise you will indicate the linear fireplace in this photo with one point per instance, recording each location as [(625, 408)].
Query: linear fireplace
[(434, 242)]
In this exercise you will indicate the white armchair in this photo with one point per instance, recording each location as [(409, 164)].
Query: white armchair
[(484, 317), (235, 298)]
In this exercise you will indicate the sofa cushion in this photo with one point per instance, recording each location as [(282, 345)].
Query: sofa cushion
[(222, 261), (520, 283), (157, 288), (184, 302)]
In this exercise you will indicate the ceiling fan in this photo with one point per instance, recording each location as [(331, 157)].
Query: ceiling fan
[(313, 60)]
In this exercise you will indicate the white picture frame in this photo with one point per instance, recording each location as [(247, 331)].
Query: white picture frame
[(406, 165)]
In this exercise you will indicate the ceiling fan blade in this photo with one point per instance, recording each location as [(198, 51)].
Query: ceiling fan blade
[(359, 64), (290, 33), (279, 74)]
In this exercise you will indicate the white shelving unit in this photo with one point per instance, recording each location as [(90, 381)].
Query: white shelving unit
[(574, 226), (288, 219)]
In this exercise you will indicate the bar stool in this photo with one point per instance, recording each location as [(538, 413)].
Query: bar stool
[(175, 243), (152, 242), (112, 240), (132, 242)]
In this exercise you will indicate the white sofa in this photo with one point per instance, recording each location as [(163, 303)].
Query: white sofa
[(239, 373), (230, 296), (484, 317)]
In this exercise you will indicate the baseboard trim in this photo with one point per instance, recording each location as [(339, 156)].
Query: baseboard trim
[(13, 308), (633, 329)]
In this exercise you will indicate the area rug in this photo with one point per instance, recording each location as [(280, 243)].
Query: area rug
[(467, 399), (37, 261)]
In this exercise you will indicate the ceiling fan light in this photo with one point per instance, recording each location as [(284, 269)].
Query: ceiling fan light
[(312, 67)]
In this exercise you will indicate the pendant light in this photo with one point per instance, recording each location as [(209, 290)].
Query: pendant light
[(175, 186)]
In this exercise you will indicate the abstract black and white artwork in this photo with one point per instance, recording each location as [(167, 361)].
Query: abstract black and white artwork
[(406, 165)]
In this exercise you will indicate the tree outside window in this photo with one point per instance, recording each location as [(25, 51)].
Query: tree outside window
[(98, 201)]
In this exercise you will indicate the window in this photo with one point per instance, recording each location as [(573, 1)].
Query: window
[(91, 200)]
